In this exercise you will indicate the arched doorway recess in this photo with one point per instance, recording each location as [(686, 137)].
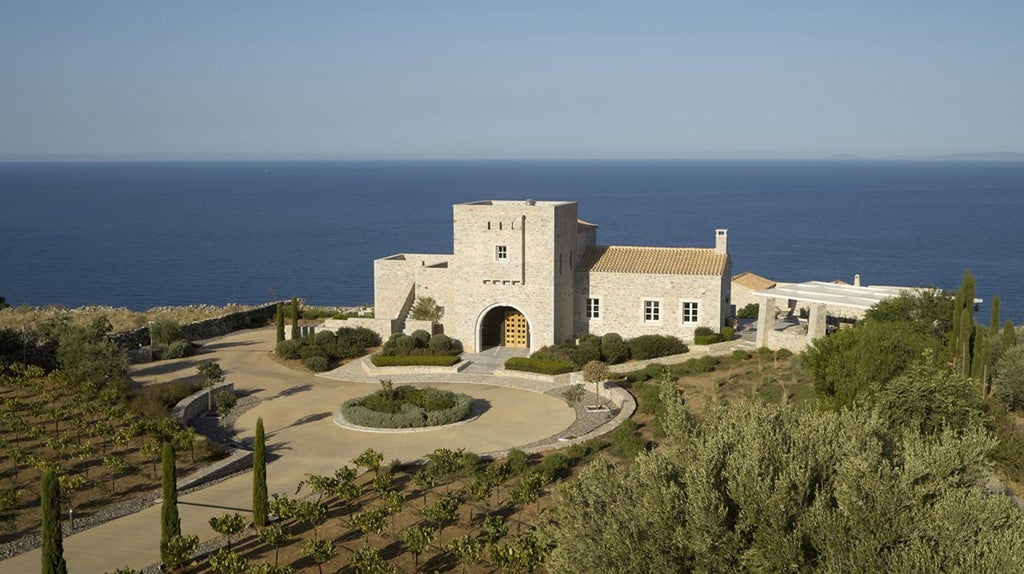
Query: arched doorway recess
[(504, 326)]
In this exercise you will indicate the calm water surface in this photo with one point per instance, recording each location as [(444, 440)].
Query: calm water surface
[(169, 233)]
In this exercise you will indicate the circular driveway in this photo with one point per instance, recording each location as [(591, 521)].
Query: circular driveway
[(298, 409)]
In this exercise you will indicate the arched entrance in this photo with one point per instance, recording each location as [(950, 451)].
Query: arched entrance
[(504, 326)]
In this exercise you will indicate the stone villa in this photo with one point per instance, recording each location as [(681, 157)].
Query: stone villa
[(530, 273)]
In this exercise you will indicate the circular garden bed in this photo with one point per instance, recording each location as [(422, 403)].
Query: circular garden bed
[(407, 407)]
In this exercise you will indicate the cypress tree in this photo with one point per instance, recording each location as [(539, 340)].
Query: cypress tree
[(295, 318), (965, 349), (170, 523), (993, 325), (53, 538), (1009, 336), (279, 320), (982, 357), (259, 478), (963, 324)]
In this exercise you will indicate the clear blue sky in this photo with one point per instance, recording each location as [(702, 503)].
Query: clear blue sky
[(523, 79)]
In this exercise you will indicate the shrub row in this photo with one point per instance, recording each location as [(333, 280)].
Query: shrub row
[(705, 336), (693, 366), (321, 350), (611, 348), (421, 342), (415, 360), (408, 415), (654, 346), (542, 366)]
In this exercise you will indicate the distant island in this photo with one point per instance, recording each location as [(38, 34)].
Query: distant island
[(982, 156), (991, 156)]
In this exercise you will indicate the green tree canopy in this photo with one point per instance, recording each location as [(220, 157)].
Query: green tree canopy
[(928, 308), (930, 397), (852, 364), (756, 487)]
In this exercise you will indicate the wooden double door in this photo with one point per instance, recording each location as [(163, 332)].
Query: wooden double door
[(516, 331)]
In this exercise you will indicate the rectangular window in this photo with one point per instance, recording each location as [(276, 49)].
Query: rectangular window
[(652, 311), (593, 308), (689, 312), (500, 252)]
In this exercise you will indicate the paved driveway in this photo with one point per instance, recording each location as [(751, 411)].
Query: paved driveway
[(297, 410)]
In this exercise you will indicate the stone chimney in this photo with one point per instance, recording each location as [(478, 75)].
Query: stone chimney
[(856, 280), (722, 240)]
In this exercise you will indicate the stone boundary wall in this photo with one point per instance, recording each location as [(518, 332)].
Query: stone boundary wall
[(383, 327), (191, 406), (237, 460), (693, 352), (795, 342), (204, 329), (370, 369), (511, 372)]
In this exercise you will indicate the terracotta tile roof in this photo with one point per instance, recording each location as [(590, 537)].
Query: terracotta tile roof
[(655, 260), (753, 281)]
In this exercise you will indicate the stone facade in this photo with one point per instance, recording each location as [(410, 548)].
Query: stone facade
[(536, 260)]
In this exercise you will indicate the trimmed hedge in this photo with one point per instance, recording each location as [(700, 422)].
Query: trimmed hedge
[(707, 339), (404, 413), (542, 366), (654, 346), (420, 343), (415, 360)]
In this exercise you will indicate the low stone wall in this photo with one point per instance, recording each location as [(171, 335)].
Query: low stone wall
[(412, 325), (195, 404), (205, 329), (619, 397), (383, 327), (370, 369), (794, 341), (555, 380), (693, 352), (237, 460)]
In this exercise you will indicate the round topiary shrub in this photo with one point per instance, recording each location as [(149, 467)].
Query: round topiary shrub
[(440, 344), (308, 351), (614, 349), (325, 338), (317, 364), (288, 349), (407, 407), (422, 337)]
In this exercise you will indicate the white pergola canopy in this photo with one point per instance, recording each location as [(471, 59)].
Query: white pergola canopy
[(849, 296)]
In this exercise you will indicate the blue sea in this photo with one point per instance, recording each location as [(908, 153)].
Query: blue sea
[(145, 234)]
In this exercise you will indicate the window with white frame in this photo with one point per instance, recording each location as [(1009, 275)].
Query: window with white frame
[(500, 252), (689, 311), (593, 308), (652, 311)]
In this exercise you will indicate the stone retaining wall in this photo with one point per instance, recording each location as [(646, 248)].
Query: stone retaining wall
[(530, 376), (693, 352), (237, 460), (619, 397), (195, 404), (370, 369), (205, 329)]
